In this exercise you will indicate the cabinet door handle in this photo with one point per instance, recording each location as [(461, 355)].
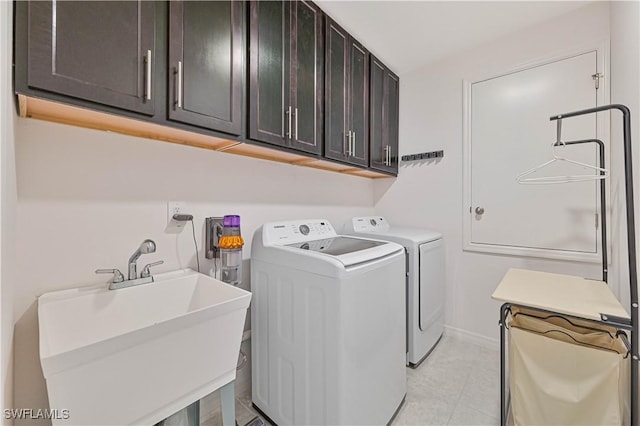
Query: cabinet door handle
[(347, 139), (179, 86), (148, 66), (349, 152), (296, 115), (288, 113), (353, 150), (389, 153)]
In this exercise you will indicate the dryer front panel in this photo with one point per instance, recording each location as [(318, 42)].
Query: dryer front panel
[(431, 284)]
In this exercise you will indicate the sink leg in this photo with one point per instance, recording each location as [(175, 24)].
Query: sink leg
[(228, 403)]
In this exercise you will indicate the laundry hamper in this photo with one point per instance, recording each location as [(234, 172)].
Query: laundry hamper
[(564, 371)]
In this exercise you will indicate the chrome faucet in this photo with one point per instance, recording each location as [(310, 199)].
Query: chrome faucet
[(147, 246)]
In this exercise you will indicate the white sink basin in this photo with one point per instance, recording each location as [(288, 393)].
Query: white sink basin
[(136, 355)]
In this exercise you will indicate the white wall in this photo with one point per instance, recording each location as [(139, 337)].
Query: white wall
[(7, 209), (430, 195), (625, 89), (87, 199)]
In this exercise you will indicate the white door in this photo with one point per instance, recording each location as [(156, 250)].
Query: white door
[(510, 133)]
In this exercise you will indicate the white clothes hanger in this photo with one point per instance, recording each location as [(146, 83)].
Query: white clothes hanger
[(523, 179)]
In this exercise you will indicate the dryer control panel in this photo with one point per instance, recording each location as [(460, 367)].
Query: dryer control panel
[(296, 231), (369, 224)]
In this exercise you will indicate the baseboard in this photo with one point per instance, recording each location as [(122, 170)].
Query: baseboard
[(470, 337)]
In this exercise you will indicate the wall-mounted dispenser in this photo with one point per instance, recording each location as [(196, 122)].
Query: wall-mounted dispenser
[(224, 244)]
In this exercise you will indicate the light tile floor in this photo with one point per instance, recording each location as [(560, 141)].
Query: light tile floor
[(458, 384)]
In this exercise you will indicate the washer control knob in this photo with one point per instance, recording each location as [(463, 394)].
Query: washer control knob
[(373, 222), (304, 229)]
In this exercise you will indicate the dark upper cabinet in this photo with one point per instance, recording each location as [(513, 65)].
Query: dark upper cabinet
[(206, 64), (307, 73), (384, 92), (346, 97), (286, 74), (276, 72), (100, 51)]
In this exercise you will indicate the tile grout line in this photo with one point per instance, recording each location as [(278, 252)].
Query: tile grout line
[(455, 406)]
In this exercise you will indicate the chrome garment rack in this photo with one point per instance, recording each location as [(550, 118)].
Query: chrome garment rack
[(618, 322)]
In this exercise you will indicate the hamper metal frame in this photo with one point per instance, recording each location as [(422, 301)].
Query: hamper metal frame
[(618, 322)]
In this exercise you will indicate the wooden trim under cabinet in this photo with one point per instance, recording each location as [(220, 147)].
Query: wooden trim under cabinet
[(56, 112), (66, 114)]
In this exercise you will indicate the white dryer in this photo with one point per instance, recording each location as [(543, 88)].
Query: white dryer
[(327, 325), (425, 280)]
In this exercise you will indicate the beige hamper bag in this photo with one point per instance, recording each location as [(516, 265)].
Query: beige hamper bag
[(566, 373)]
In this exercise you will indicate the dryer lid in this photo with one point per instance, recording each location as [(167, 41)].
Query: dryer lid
[(415, 235), (379, 227)]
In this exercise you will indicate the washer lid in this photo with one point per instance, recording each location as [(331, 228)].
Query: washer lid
[(309, 243), (348, 251), (337, 246)]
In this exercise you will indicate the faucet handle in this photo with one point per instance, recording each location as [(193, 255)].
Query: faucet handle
[(145, 271), (117, 275)]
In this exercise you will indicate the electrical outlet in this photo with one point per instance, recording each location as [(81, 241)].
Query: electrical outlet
[(175, 207)]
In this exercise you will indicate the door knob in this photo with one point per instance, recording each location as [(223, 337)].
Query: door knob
[(479, 210)]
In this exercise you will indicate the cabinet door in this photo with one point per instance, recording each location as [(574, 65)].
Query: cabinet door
[(268, 73), (391, 115), (100, 51), (336, 92), (384, 92), (359, 103), (307, 71), (206, 64)]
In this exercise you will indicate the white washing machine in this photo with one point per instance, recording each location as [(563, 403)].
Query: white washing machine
[(327, 325), (425, 280)]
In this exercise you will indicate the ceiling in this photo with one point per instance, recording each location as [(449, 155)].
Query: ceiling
[(406, 35)]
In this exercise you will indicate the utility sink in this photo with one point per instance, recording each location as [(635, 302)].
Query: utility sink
[(137, 355)]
